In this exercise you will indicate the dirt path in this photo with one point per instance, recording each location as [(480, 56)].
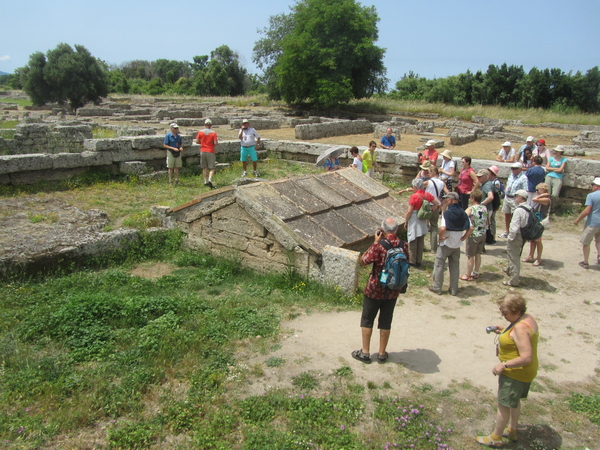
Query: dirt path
[(441, 341)]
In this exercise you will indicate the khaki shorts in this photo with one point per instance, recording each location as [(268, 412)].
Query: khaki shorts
[(509, 205), (173, 162), (475, 245), (589, 234), (207, 160)]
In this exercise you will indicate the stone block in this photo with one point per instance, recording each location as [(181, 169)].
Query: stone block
[(146, 142), (133, 167), (404, 120), (462, 139), (330, 129), (340, 268), (259, 124), (94, 111), (109, 144), (235, 220), (24, 163)]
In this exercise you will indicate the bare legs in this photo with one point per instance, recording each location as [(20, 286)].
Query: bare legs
[(506, 414), (170, 171), (384, 337)]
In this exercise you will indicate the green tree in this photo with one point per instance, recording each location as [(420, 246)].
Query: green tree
[(64, 75), (222, 75), (322, 53)]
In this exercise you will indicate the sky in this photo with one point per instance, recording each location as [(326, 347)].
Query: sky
[(433, 38)]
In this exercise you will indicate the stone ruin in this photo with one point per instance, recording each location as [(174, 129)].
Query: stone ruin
[(316, 225)]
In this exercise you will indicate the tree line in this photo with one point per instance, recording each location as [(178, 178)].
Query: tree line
[(322, 54), (507, 86)]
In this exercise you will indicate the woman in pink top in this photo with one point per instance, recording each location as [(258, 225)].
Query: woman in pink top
[(467, 181)]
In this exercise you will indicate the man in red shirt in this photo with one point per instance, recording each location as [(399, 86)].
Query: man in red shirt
[(430, 153), (208, 140), (378, 299)]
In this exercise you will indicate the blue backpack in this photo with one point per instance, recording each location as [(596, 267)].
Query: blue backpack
[(394, 274)]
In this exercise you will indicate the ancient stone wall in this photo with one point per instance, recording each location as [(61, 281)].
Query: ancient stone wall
[(47, 138), (333, 128)]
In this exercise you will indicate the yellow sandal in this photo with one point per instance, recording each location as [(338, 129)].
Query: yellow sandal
[(488, 441)]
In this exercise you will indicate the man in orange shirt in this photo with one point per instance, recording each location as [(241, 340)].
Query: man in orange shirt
[(208, 140)]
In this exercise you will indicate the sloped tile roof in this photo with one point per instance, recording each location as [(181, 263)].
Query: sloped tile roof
[(339, 208)]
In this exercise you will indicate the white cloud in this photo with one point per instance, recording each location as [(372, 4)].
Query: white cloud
[(4, 58)]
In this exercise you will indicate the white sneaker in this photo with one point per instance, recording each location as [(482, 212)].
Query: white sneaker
[(503, 235), (256, 174), (244, 173)]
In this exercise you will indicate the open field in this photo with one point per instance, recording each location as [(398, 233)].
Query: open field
[(166, 349)]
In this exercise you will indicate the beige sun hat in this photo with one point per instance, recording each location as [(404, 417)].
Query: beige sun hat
[(426, 165), (447, 153)]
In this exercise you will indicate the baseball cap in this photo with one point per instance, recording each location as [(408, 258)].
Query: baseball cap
[(507, 144), (541, 141), (530, 139), (482, 173), (173, 125), (208, 122), (596, 181), (516, 165), (521, 193), (452, 195), (245, 121), (430, 142)]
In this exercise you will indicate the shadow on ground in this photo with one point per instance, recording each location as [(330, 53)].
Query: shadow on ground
[(419, 360), (536, 437)]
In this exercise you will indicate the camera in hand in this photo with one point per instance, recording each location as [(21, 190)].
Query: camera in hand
[(490, 329)]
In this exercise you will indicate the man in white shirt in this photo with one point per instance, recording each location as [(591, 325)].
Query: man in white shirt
[(249, 138), (454, 230)]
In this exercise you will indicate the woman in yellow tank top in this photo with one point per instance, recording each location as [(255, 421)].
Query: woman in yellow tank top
[(517, 351)]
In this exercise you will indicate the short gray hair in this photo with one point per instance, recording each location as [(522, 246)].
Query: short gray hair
[(389, 225), (418, 184)]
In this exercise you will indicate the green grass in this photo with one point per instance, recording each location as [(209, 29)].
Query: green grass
[(18, 101)]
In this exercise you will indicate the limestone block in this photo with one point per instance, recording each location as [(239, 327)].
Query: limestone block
[(404, 120), (406, 159), (582, 167), (94, 111), (133, 167), (259, 124), (340, 268), (139, 112), (228, 240), (185, 122), (337, 128), (89, 159), (22, 163), (109, 144), (235, 220), (205, 205), (66, 160), (462, 139), (578, 180), (147, 142), (386, 156)]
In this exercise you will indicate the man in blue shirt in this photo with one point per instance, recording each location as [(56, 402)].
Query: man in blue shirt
[(388, 141), (174, 145), (592, 223)]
